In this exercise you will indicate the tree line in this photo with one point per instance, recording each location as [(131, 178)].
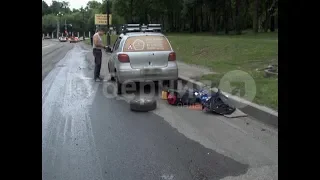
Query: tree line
[(192, 16)]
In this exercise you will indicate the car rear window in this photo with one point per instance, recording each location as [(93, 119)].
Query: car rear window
[(146, 43)]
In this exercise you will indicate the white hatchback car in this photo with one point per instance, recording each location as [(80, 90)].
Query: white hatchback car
[(140, 55), (62, 39)]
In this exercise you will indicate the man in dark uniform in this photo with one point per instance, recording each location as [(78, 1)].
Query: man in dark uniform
[(97, 53)]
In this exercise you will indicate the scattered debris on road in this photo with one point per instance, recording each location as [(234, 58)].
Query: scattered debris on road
[(202, 100)]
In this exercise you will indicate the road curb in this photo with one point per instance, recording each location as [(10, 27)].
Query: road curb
[(259, 113)]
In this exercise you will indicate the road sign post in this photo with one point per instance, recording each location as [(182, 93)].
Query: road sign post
[(108, 25), (104, 20), (101, 19)]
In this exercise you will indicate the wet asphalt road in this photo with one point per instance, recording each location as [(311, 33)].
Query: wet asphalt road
[(53, 52), (87, 135)]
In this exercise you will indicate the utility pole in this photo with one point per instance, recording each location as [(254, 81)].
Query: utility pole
[(83, 23), (58, 30), (65, 20), (108, 25), (65, 25)]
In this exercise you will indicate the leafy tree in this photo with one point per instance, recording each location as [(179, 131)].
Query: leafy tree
[(93, 5), (45, 8), (176, 15)]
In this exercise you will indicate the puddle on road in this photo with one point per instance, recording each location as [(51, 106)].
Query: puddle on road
[(67, 140)]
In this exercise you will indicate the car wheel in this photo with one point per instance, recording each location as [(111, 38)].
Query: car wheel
[(143, 104), (175, 84), (165, 84), (119, 86), (171, 84), (111, 73)]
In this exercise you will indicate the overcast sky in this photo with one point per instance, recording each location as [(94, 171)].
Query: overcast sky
[(73, 3)]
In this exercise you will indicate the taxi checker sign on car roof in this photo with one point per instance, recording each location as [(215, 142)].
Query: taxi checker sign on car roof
[(138, 45)]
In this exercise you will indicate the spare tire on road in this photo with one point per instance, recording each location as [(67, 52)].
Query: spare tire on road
[(143, 104)]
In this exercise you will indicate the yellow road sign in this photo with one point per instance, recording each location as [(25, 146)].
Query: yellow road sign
[(101, 19)]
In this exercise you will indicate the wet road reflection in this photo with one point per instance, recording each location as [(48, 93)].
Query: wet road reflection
[(87, 135)]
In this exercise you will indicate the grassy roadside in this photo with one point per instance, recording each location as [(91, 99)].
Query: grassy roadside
[(223, 54)]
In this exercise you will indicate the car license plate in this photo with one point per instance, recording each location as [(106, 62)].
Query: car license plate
[(151, 71)]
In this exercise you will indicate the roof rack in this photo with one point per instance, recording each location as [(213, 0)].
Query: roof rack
[(155, 27), (141, 28), (131, 28)]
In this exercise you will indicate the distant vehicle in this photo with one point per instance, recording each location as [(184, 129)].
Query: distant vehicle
[(142, 53), (63, 39), (47, 37), (74, 39), (81, 38)]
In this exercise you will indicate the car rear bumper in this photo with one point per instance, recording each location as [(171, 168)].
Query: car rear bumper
[(136, 75)]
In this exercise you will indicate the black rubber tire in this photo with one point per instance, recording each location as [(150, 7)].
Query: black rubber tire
[(111, 76), (171, 84), (175, 84), (165, 84), (119, 87), (143, 104)]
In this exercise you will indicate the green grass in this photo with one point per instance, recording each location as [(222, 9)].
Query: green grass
[(104, 39), (224, 53)]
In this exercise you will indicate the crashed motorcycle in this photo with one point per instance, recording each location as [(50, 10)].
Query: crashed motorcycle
[(218, 103)]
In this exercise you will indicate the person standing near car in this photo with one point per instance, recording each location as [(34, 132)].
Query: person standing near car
[(97, 53)]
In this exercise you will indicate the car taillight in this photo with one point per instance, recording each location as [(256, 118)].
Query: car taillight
[(172, 56), (123, 58)]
